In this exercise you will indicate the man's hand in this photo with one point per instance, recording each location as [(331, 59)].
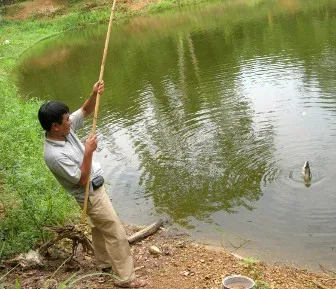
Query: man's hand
[(98, 87), (89, 104), (90, 147), (91, 143)]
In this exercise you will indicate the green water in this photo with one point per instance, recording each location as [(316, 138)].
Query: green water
[(208, 117)]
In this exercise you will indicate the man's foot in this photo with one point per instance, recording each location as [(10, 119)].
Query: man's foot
[(136, 283)]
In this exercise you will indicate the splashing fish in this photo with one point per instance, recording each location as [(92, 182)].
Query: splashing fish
[(307, 175)]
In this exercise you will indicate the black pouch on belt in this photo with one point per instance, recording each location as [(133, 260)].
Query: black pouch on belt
[(97, 182)]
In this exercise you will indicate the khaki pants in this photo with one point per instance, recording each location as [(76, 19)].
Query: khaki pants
[(111, 247)]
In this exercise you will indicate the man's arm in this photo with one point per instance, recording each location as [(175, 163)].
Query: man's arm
[(89, 105)]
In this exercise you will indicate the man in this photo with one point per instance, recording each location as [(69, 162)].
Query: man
[(70, 162)]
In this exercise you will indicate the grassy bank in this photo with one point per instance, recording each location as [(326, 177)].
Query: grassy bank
[(30, 197)]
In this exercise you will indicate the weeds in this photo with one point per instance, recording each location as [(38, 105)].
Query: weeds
[(251, 266), (29, 196), (249, 262), (261, 285), (253, 269), (162, 6), (66, 284)]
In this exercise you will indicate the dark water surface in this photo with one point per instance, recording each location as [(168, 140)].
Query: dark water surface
[(208, 117)]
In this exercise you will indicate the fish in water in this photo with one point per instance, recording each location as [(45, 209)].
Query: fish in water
[(307, 175)]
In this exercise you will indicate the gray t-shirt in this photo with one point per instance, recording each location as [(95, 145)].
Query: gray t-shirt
[(64, 159)]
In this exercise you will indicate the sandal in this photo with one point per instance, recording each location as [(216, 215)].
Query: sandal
[(136, 283)]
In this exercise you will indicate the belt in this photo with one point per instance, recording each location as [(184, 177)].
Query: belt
[(97, 182)]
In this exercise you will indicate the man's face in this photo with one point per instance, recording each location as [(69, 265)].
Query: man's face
[(64, 128)]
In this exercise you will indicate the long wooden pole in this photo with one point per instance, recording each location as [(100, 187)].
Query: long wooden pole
[(95, 116)]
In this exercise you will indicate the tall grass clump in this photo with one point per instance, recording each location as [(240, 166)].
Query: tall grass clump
[(161, 6), (30, 197), (166, 5)]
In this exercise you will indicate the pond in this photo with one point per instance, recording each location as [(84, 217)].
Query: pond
[(208, 116)]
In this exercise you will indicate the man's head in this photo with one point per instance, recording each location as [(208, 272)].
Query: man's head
[(52, 113)]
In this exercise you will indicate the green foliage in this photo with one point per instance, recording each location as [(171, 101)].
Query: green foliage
[(161, 6), (166, 5), (76, 19), (252, 267), (261, 285), (29, 194), (249, 261), (31, 197)]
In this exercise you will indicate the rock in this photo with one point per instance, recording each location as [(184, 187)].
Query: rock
[(181, 245), (237, 256), (154, 250), (186, 273), (28, 260)]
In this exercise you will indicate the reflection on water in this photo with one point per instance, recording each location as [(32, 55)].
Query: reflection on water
[(208, 117)]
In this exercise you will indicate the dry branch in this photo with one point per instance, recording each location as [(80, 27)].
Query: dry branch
[(74, 233), (77, 236), (150, 230)]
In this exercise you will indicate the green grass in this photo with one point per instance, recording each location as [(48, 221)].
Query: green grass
[(30, 195), (261, 285), (162, 6)]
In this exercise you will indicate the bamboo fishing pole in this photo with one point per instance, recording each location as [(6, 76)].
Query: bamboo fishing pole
[(95, 116)]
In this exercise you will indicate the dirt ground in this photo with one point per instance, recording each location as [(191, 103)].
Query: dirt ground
[(50, 8), (32, 8), (182, 264)]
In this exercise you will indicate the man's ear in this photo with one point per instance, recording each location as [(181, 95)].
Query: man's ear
[(54, 126)]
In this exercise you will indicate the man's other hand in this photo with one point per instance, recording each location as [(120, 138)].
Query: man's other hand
[(91, 143), (98, 87)]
